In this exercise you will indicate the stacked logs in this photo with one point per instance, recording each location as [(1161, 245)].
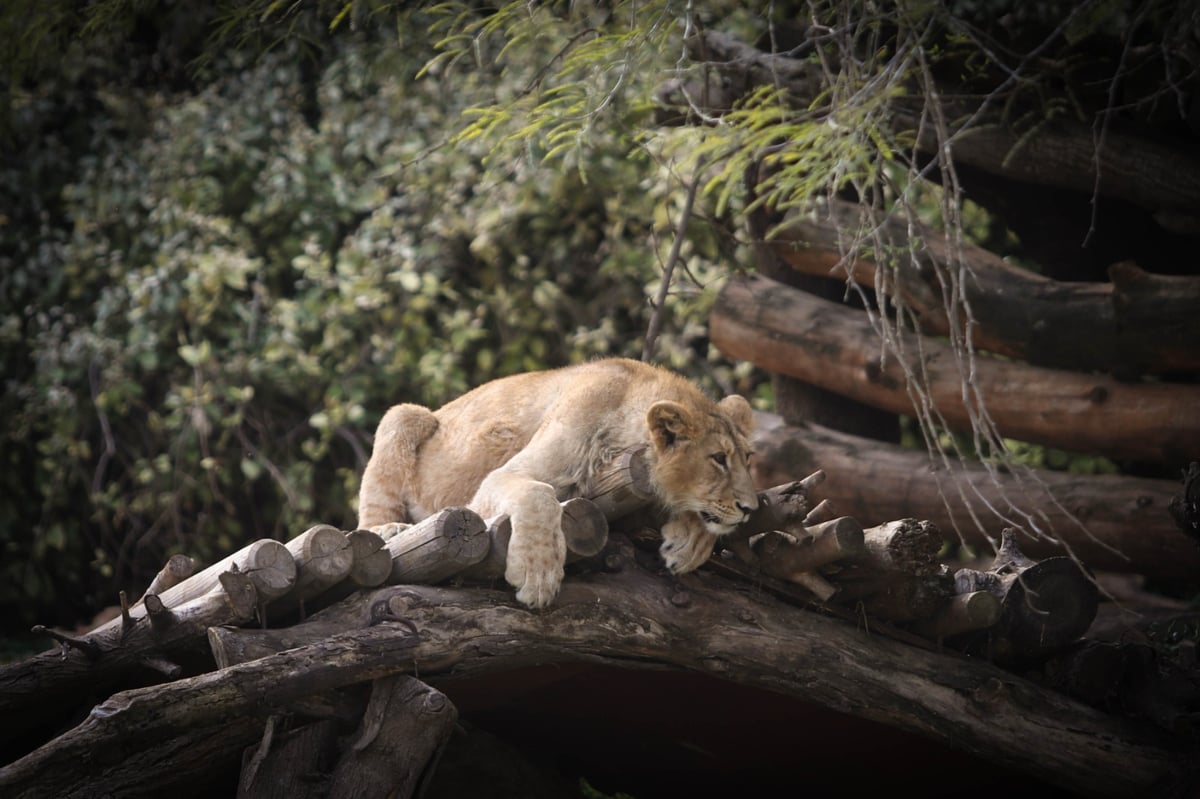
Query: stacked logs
[(889, 573)]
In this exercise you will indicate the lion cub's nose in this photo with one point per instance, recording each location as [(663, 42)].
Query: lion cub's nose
[(745, 509)]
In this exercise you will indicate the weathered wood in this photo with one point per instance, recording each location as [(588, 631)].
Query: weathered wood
[(290, 766), (1110, 522), (1135, 324), (897, 575), (823, 544), (1163, 179), (394, 751), (1046, 605), (177, 569), (372, 561), (34, 691), (323, 559), (438, 547), (782, 507), (623, 486), (962, 613), (905, 546), (269, 565), (584, 528), (893, 597), (1185, 507), (789, 331), (629, 616)]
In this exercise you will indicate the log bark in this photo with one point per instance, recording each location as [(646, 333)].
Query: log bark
[(294, 765), (788, 331), (1109, 522), (35, 692), (1154, 175), (624, 486), (963, 613), (177, 569), (630, 617), (1137, 323), (323, 559), (372, 561), (269, 565), (437, 547), (395, 749), (1046, 605)]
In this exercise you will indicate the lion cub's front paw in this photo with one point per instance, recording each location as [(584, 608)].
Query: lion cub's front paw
[(536, 572), (686, 544)]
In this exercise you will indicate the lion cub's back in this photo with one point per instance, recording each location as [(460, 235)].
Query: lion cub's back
[(487, 426)]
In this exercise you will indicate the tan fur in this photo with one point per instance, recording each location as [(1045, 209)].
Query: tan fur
[(520, 444)]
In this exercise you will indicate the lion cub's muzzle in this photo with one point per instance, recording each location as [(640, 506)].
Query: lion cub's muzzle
[(720, 525)]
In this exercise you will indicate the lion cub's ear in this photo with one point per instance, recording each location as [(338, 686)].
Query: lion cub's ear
[(738, 411), (669, 422)]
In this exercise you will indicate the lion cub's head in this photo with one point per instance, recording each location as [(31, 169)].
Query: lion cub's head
[(702, 458)]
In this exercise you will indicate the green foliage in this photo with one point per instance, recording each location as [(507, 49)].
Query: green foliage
[(232, 285)]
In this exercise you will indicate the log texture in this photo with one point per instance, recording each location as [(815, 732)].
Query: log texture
[(1092, 516), (1045, 605), (1136, 324), (788, 331), (35, 690), (1154, 175), (633, 617)]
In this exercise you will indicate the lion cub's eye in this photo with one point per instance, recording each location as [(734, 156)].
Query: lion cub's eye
[(719, 459)]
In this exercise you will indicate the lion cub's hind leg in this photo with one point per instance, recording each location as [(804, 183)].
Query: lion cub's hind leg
[(391, 472)]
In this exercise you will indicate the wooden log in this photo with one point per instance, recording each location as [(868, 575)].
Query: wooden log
[(372, 562), (269, 565), (893, 597), (825, 543), (829, 345), (437, 547), (962, 613), (37, 691), (1110, 522), (323, 559), (782, 507), (395, 749), (904, 546), (1135, 324), (742, 636), (584, 528), (289, 768), (624, 486), (897, 576), (1185, 507), (177, 569), (1046, 605)]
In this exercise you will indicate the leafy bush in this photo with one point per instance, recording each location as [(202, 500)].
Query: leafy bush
[(235, 283)]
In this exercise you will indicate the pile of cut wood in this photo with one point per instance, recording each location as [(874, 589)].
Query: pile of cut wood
[(297, 664)]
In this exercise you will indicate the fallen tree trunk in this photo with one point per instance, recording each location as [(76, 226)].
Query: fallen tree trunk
[(1109, 522), (834, 347), (622, 618), (1136, 324)]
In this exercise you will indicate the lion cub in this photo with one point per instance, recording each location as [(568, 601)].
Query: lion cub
[(520, 444)]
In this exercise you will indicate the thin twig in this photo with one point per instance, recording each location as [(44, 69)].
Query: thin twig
[(672, 259)]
